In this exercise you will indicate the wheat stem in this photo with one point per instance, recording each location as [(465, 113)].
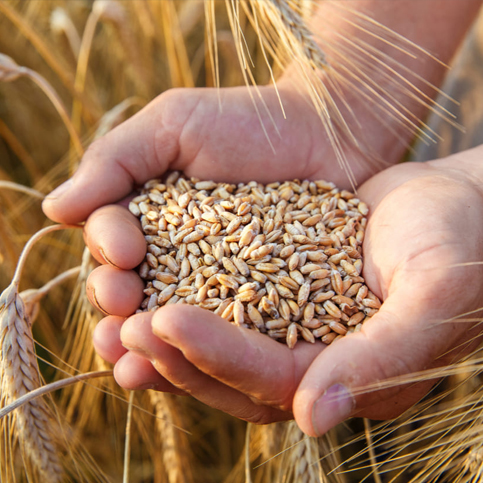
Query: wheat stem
[(372, 453), (32, 297), (48, 388), (59, 106), (127, 444), (10, 185), (82, 63), (45, 51), (19, 150), (72, 272), (60, 22), (114, 116), (26, 250)]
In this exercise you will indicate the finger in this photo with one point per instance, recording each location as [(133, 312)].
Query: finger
[(170, 362), (114, 291), (114, 236), (251, 363), (401, 339), (107, 339), (134, 372)]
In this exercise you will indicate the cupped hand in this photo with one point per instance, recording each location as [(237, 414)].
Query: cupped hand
[(424, 222), (422, 237), (205, 133)]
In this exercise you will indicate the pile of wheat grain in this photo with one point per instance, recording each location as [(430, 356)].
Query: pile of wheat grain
[(283, 259)]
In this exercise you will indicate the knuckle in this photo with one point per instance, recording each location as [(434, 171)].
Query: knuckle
[(261, 415), (94, 150)]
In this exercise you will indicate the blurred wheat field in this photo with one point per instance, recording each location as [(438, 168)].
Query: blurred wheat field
[(105, 60)]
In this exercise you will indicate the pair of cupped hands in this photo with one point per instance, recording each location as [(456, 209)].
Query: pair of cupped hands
[(424, 233)]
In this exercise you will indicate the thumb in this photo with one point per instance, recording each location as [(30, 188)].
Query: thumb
[(343, 380), (137, 150)]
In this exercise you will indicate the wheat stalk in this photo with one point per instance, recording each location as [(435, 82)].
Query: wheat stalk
[(16, 146), (127, 441), (22, 189), (48, 388), (10, 71), (32, 297), (114, 116), (61, 23), (111, 11)]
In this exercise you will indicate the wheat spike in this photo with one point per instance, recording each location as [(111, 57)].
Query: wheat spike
[(287, 20), (34, 422), (300, 457), (174, 445), (36, 428)]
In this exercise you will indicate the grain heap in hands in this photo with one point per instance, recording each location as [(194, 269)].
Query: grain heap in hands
[(283, 258)]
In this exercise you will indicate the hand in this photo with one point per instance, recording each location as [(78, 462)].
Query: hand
[(423, 251), (413, 248)]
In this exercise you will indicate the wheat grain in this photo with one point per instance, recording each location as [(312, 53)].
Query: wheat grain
[(282, 277)]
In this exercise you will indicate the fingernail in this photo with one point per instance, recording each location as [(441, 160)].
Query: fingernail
[(96, 301), (333, 407), (60, 190)]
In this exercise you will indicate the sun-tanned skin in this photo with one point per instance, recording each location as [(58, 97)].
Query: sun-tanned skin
[(424, 221)]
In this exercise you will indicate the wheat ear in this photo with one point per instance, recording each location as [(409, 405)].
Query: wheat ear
[(34, 421), (37, 428), (290, 26), (300, 458), (174, 444)]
